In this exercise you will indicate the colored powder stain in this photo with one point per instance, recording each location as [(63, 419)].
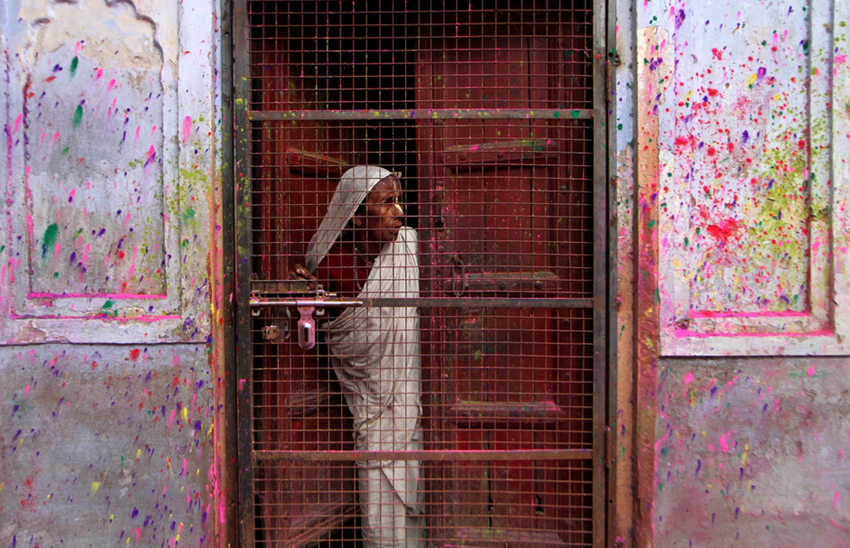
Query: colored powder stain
[(78, 116), (723, 445), (811, 371), (187, 128), (95, 485), (689, 378), (134, 354), (761, 72), (49, 239), (680, 18), (724, 230), (74, 63), (107, 305), (575, 114), (188, 214), (835, 500)]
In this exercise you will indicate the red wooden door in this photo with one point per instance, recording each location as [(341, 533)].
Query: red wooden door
[(297, 403), (506, 233)]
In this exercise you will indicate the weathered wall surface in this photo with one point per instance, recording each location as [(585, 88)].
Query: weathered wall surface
[(106, 446), (108, 308), (734, 229), (753, 453)]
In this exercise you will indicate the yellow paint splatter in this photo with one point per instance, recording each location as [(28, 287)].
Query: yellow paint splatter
[(752, 79), (95, 485), (184, 414)]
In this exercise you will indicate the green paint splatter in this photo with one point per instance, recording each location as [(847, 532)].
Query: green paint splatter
[(188, 214), (575, 114), (107, 305), (74, 62), (65, 150), (49, 239), (78, 116)]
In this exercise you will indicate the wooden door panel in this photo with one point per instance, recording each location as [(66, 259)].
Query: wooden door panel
[(298, 404), (506, 230)]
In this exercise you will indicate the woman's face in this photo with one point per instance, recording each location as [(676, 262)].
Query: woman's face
[(383, 214)]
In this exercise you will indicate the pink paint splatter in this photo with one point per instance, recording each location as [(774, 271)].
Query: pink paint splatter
[(835, 500), (723, 444), (133, 264), (689, 378), (724, 230), (811, 371), (18, 121), (187, 128), (110, 85)]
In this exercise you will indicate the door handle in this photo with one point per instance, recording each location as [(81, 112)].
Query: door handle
[(306, 306)]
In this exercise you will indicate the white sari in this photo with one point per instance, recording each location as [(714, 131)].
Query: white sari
[(375, 352)]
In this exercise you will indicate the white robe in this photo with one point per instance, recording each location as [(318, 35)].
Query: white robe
[(375, 352)]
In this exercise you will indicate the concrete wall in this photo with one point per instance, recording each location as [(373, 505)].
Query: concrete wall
[(732, 156), (109, 266)]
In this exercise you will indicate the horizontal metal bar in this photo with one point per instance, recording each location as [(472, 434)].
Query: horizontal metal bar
[(436, 302), (425, 455), (335, 302), (424, 114)]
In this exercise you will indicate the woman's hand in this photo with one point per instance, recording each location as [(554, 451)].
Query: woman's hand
[(301, 273)]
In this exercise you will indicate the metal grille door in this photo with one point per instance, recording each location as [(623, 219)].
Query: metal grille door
[(491, 119)]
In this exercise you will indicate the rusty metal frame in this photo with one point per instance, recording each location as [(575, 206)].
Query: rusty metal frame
[(235, 61), (242, 246), (230, 476)]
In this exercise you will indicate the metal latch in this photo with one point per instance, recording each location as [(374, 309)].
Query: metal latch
[(307, 307), (306, 327)]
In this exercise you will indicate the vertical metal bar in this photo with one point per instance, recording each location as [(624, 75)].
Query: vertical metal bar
[(600, 267), (230, 473), (611, 270), (242, 244)]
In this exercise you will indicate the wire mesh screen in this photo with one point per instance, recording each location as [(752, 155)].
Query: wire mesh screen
[(422, 273)]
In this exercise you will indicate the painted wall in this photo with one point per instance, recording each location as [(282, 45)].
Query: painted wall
[(734, 271), (109, 372)]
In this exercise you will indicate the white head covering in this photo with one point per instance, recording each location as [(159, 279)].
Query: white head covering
[(354, 186)]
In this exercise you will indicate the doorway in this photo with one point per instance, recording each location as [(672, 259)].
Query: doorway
[(491, 116)]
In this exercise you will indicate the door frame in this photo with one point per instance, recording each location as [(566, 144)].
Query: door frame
[(235, 507)]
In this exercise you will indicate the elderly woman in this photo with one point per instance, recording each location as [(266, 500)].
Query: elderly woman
[(363, 249)]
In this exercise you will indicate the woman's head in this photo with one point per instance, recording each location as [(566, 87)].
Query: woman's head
[(381, 215), (352, 191)]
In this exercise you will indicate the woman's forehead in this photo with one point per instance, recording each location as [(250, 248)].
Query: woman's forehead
[(390, 183)]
